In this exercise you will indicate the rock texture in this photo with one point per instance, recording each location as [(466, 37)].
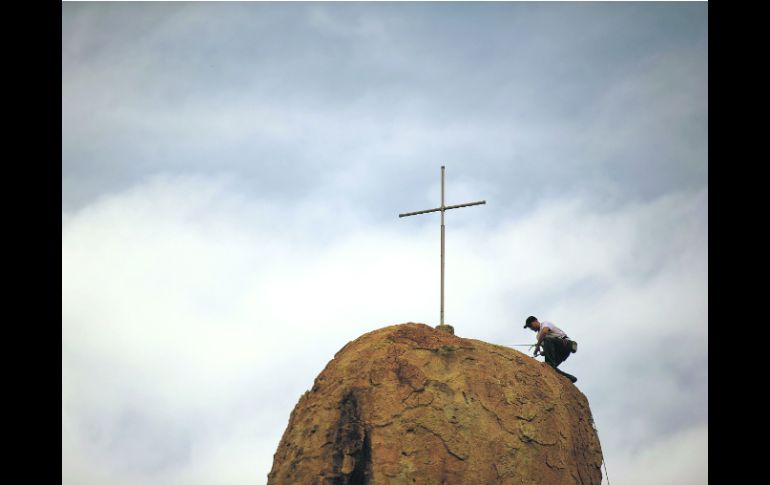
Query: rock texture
[(408, 404)]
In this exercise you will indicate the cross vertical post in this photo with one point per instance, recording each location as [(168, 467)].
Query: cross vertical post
[(443, 208), (443, 238)]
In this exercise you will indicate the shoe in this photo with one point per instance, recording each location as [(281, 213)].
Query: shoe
[(572, 378)]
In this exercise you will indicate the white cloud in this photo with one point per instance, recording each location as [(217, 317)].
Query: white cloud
[(680, 459)]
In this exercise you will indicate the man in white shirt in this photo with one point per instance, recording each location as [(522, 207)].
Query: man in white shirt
[(556, 345)]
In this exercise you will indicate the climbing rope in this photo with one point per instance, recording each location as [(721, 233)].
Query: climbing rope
[(606, 473)]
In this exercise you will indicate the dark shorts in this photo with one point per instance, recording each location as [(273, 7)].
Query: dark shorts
[(556, 350)]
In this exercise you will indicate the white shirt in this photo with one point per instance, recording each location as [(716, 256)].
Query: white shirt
[(555, 331)]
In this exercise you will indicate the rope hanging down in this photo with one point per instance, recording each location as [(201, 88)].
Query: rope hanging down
[(606, 473)]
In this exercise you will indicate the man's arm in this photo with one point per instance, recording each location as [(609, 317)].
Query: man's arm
[(540, 337)]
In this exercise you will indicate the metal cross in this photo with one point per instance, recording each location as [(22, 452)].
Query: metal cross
[(442, 209)]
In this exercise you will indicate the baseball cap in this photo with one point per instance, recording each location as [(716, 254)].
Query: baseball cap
[(530, 319)]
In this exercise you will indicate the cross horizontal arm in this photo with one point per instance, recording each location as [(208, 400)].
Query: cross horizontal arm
[(439, 208), (465, 205), (419, 212)]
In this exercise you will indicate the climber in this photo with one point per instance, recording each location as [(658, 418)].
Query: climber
[(556, 345)]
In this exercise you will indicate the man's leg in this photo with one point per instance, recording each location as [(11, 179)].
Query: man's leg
[(550, 352), (554, 352)]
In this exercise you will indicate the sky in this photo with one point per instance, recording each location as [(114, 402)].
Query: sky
[(232, 175)]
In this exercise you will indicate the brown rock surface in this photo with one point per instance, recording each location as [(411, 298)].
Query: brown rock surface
[(407, 404)]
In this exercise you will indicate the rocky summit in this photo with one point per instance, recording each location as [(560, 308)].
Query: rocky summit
[(407, 404)]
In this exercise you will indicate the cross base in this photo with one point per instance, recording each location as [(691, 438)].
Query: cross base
[(446, 328)]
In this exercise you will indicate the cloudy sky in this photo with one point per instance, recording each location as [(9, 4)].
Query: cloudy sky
[(232, 176)]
